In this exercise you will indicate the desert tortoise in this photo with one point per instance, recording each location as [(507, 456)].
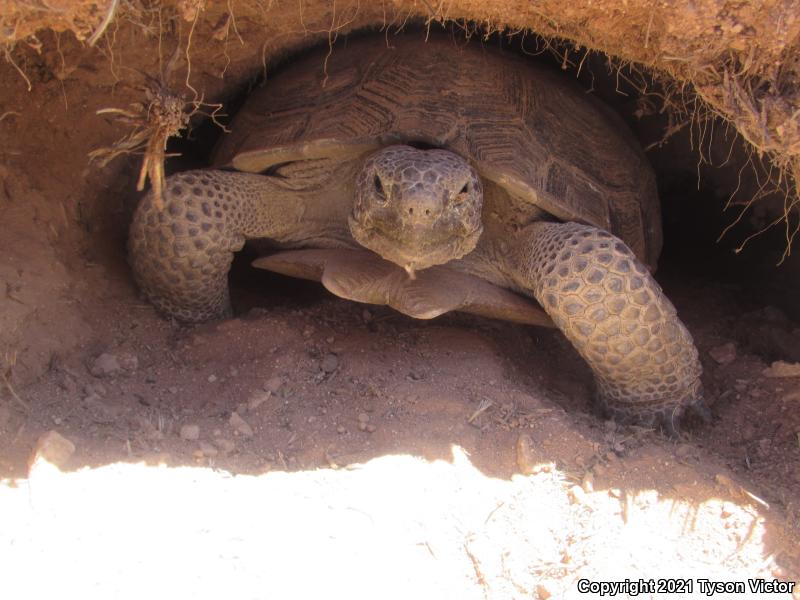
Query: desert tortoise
[(482, 180)]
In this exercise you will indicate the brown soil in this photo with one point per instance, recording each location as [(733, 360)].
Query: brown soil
[(484, 472)]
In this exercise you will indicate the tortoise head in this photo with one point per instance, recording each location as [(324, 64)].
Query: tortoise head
[(417, 208)]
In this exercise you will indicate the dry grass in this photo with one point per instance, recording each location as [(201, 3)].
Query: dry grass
[(151, 124)]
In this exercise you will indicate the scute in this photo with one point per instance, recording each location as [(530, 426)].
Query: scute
[(530, 130)]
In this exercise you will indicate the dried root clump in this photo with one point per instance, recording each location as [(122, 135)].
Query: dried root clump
[(161, 116)]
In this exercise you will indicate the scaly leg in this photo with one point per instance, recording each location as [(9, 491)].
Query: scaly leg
[(181, 255), (604, 300)]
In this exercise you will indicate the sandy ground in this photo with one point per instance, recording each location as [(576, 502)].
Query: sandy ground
[(313, 446)]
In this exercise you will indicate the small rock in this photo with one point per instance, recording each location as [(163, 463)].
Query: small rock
[(543, 592), (108, 365), (362, 426), (208, 449), (240, 425), (363, 418), (172, 389), (128, 361), (330, 363), (370, 428), (724, 354), (273, 384), (190, 432), (782, 369), (53, 448), (212, 378), (526, 461), (105, 365), (224, 444), (233, 372), (341, 430), (257, 399)]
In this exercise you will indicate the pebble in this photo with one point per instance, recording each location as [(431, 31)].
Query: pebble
[(363, 418), (371, 428), (543, 592), (273, 384), (190, 432), (208, 449), (53, 448), (172, 389), (257, 399), (330, 363), (526, 461), (724, 354), (224, 444), (341, 429), (105, 365), (782, 369), (240, 425), (212, 378)]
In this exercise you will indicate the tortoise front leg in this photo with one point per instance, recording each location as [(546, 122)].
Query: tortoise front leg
[(181, 255), (604, 300)]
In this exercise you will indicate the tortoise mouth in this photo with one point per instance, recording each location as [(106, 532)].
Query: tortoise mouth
[(417, 208), (414, 249)]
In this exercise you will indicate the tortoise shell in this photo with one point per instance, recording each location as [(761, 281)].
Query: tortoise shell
[(526, 128)]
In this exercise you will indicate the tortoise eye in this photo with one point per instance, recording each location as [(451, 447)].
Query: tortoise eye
[(379, 186), (465, 189)]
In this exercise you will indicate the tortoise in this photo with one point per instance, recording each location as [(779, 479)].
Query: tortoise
[(434, 176)]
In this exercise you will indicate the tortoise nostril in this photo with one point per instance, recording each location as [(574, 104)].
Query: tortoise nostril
[(411, 211), (427, 211)]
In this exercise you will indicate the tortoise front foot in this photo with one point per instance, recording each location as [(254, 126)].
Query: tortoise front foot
[(181, 255), (644, 361)]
